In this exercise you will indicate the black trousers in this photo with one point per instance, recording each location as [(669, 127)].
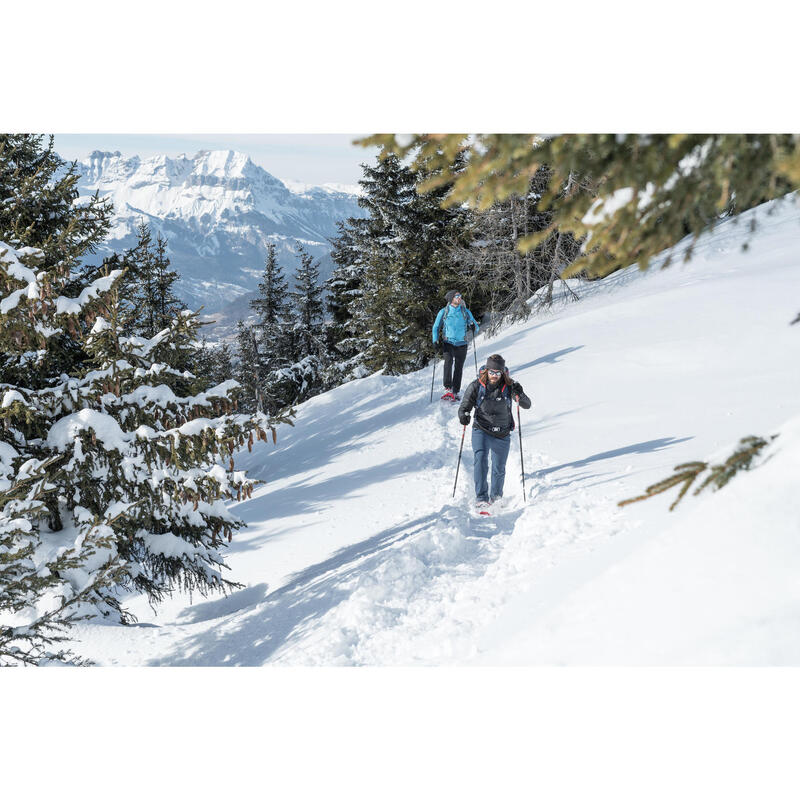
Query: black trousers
[(454, 356)]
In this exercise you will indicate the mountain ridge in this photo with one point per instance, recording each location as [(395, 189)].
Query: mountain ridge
[(218, 210)]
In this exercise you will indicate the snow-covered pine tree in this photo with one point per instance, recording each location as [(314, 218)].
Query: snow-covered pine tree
[(222, 364), (248, 368), (109, 475), (345, 298), (48, 579), (307, 305), (138, 286), (302, 377), (146, 286), (274, 348), (143, 441), (385, 314), (129, 492), (53, 570), (426, 268), (273, 292), (399, 255), (40, 208), (388, 193), (45, 585), (214, 364), (168, 306)]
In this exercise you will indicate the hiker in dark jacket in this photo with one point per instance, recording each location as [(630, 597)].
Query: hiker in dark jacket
[(450, 333), (491, 396)]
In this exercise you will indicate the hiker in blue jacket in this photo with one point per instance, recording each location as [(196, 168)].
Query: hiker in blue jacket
[(450, 336), (491, 395)]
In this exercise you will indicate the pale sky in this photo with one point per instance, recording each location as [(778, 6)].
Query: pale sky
[(314, 158)]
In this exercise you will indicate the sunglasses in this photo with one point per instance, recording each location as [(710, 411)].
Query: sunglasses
[(455, 296), (494, 372)]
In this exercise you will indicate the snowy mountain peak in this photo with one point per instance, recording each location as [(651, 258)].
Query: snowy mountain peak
[(109, 165), (218, 210), (222, 163)]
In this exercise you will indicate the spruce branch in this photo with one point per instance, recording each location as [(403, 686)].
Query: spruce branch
[(720, 474), (741, 459), (686, 474)]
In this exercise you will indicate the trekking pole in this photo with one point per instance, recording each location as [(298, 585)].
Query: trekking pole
[(459, 459), (433, 377), (521, 462), (474, 351)]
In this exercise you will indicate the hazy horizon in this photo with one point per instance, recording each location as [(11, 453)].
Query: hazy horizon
[(306, 157)]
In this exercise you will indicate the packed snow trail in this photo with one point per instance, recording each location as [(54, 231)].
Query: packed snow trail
[(356, 553), (420, 588)]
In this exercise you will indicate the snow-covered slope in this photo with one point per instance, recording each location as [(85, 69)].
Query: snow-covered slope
[(218, 210), (356, 553)]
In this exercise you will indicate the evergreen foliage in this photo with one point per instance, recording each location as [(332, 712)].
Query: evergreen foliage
[(163, 462), (42, 597), (214, 365), (273, 346), (493, 269), (110, 473), (248, 370), (719, 474), (146, 288), (307, 306), (393, 268), (51, 570), (38, 194), (39, 209), (627, 197), (345, 338), (302, 345), (282, 355), (273, 292)]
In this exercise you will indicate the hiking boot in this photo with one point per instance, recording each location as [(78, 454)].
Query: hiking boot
[(456, 395), (482, 505)]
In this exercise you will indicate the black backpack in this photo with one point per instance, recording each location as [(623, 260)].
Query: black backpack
[(504, 391)]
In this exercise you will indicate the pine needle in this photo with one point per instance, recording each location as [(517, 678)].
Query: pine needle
[(685, 474)]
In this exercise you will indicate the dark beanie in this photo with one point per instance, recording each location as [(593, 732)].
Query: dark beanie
[(495, 362)]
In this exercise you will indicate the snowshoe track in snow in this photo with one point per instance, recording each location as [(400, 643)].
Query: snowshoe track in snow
[(419, 590)]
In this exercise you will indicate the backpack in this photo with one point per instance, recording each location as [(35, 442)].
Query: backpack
[(482, 394), (444, 317)]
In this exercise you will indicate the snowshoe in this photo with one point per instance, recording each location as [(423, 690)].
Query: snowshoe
[(448, 395), (482, 508)]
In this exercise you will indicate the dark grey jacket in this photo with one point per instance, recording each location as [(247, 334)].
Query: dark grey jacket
[(493, 417)]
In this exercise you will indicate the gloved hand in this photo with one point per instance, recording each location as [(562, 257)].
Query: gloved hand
[(471, 326), (464, 418), (516, 388), (438, 347)]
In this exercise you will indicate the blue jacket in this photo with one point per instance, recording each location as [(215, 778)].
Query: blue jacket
[(456, 320)]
